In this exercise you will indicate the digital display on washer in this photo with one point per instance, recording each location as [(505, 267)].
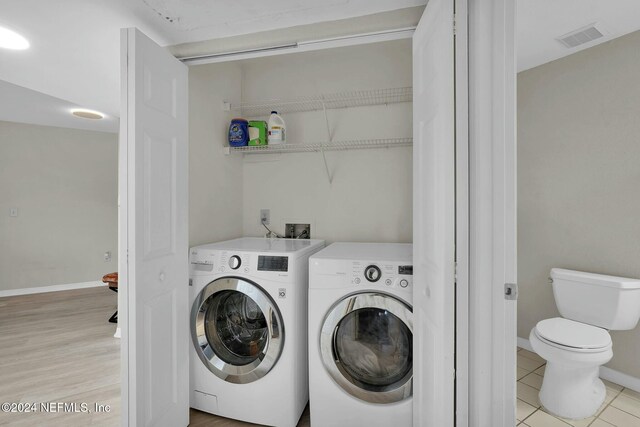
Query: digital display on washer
[(405, 269), (273, 263)]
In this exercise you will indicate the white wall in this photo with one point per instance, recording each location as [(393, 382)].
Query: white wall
[(579, 178), (215, 180), (369, 199), (64, 184)]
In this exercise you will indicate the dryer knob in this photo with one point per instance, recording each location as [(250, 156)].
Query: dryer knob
[(372, 273), (235, 262)]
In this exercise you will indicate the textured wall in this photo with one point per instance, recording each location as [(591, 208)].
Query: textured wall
[(64, 184), (579, 178), (370, 198), (215, 179)]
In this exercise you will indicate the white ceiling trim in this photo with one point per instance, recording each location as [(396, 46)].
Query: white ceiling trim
[(303, 46)]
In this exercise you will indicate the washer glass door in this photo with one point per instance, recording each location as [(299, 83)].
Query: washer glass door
[(237, 330), (366, 344)]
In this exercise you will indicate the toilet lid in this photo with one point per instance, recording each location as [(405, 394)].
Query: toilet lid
[(574, 334)]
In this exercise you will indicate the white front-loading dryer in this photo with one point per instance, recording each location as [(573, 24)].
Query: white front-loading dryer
[(361, 335), (248, 357)]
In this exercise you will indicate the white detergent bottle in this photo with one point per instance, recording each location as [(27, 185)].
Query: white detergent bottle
[(276, 129)]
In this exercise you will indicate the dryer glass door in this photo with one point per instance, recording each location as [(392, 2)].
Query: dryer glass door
[(237, 330), (366, 343)]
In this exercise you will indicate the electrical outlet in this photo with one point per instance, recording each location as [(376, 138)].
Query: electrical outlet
[(13, 212), (107, 256), (297, 231), (265, 216)]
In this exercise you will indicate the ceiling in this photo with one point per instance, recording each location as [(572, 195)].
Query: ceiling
[(30, 106), (540, 22), (75, 44)]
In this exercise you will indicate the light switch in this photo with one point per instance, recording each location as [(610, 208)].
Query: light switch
[(13, 212)]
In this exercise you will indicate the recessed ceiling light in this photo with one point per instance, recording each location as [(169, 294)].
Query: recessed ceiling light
[(11, 40), (87, 114)]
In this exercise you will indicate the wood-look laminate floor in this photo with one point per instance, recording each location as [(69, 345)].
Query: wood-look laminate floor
[(59, 347)]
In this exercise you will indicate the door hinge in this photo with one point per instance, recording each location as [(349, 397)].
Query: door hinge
[(454, 24), (511, 291)]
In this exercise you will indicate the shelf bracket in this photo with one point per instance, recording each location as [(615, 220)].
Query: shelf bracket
[(326, 166), (326, 121), (329, 138)]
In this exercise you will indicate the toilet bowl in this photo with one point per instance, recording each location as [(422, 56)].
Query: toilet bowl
[(574, 353), (576, 344)]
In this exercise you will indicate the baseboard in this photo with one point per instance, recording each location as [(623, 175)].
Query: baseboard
[(52, 288), (524, 343), (605, 373), (620, 378)]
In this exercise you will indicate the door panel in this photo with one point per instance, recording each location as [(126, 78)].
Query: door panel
[(434, 215), (159, 205), (153, 174), (158, 315)]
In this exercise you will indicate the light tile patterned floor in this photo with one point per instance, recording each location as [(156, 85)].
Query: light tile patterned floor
[(621, 407)]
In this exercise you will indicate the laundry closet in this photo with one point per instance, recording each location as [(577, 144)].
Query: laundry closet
[(357, 98), (349, 167)]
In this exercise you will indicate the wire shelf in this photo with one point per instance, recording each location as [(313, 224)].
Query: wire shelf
[(358, 98), (324, 146)]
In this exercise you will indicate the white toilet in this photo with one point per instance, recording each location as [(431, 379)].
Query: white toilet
[(576, 344)]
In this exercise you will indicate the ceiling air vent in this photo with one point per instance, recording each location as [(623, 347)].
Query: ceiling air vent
[(580, 36)]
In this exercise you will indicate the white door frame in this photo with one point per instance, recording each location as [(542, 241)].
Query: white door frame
[(462, 213), (492, 212)]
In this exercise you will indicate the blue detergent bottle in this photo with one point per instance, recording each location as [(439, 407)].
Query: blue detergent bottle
[(238, 133)]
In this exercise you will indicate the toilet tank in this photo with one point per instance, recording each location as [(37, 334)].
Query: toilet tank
[(609, 302)]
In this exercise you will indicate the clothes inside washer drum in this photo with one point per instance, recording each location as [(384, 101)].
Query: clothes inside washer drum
[(236, 328), (374, 347)]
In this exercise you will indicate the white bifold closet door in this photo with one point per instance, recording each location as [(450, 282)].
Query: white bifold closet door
[(434, 216), (153, 235)]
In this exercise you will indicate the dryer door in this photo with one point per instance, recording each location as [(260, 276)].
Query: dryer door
[(237, 330), (366, 344)]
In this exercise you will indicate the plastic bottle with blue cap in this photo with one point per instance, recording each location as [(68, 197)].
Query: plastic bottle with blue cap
[(276, 129)]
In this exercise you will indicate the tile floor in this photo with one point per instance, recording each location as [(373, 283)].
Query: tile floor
[(621, 407)]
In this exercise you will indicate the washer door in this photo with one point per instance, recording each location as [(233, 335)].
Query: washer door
[(366, 345), (237, 330)]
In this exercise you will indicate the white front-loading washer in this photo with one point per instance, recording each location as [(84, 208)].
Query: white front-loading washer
[(361, 335), (248, 356)]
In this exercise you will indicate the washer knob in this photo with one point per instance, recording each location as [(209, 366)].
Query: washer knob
[(404, 283), (234, 262), (372, 273)]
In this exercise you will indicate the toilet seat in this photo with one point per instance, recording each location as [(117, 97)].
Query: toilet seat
[(573, 336)]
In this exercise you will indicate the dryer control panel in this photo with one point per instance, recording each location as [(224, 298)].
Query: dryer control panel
[(382, 275), (204, 262)]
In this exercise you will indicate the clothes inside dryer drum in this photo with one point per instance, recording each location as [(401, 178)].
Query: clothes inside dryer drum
[(236, 328), (374, 347)]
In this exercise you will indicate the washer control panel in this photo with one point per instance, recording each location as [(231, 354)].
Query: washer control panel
[(234, 262), (202, 260), (372, 273), (382, 275)]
